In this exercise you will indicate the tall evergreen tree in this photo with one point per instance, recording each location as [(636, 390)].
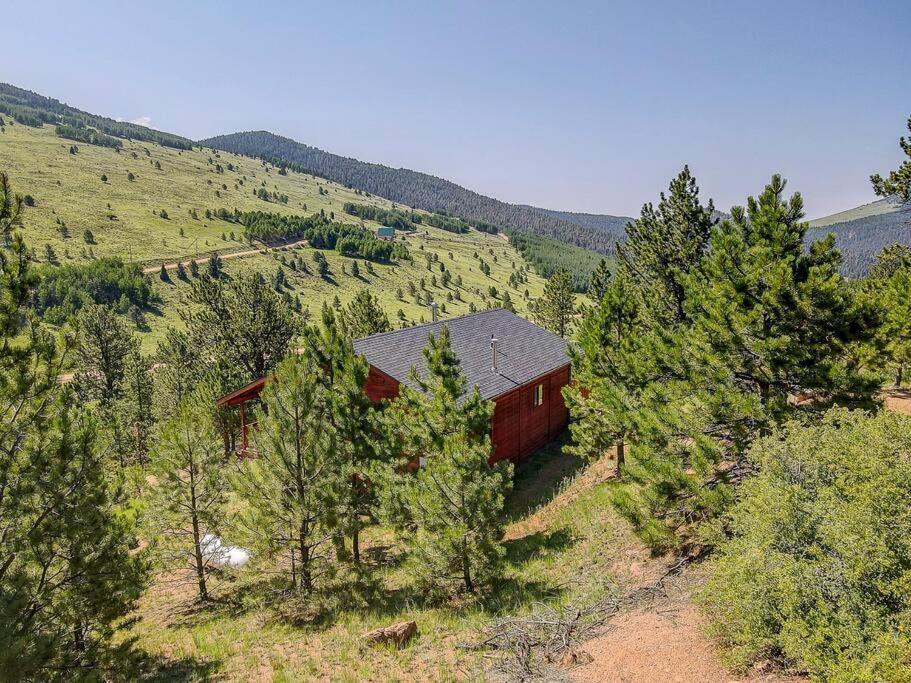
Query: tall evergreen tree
[(295, 485), (193, 489), (353, 421), (894, 294), (608, 372), (557, 306), (664, 245), (598, 282), (899, 181), (363, 316), (66, 573), (179, 369), (136, 405), (452, 508), (104, 343), (242, 322), (456, 503)]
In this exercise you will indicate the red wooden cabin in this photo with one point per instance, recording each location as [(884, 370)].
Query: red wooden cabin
[(514, 363)]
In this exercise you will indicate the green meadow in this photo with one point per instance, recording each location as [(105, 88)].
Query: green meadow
[(125, 218)]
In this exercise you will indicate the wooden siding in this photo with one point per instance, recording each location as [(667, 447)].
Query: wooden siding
[(518, 427), (379, 386)]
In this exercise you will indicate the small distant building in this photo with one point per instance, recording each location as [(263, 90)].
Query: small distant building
[(517, 365), (386, 233)]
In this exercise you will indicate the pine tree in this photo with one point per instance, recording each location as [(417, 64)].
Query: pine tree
[(764, 320), (179, 369), (452, 508), (352, 419), (664, 245), (213, 266), (363, 316), (66, 574), (103, 344), (181, 271), (899, 181), (606, 367), (135, 406), (894, 336), (192, 491), (507, 303), (295, 484), (557, 306), (355, 269), (243, 322), (598, 282), (456, 501)]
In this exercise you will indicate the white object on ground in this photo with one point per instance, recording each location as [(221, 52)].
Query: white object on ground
[(219, 555)]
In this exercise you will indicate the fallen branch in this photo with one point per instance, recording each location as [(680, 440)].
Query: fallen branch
[(528, 646)]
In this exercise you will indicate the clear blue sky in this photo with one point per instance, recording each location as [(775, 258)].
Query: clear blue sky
[(579, 106)]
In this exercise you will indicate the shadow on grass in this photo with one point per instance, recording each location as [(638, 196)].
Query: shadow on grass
[(520, 550), (187, 669), (131, 664), (540, 477)]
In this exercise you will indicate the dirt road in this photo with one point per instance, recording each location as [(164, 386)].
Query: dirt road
[(232, 254)]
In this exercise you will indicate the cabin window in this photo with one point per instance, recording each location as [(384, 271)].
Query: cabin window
[(539, 395)]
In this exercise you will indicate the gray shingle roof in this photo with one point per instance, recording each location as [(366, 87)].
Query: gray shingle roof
[(524, 350)]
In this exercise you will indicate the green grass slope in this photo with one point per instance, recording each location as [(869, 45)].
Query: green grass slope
[(565, 546), (125, 218)]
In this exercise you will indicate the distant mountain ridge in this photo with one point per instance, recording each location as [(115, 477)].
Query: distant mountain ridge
[(602, 222), (862, 232), (32, 109), (412, 188)]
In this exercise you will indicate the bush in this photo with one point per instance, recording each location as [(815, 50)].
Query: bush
[(818, 569)]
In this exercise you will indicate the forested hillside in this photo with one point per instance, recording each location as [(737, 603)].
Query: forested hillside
[(419, 190), (548, 256), (32, 109), (861, 233), (613, 226)]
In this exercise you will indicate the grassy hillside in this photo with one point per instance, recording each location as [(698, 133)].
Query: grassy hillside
[(877, 208), (125, 219), (565, 546)]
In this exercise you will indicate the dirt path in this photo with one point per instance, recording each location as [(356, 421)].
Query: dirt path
[(898, 400), (232, 254), (664, 643)]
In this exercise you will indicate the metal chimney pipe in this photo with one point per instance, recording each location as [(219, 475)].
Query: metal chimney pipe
[(434, 308), (493, 351)]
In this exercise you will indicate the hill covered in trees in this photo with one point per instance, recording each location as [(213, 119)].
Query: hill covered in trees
[(861, 233), (419, 190), (31, 109), (614, 226)]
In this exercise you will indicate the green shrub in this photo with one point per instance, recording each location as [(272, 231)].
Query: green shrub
[(817, 571)]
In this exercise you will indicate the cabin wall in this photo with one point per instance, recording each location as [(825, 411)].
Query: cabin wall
[(380, 386), (519, 427)]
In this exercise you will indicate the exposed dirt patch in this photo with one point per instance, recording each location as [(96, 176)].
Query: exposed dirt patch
[(662, 643), (898, 400)]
